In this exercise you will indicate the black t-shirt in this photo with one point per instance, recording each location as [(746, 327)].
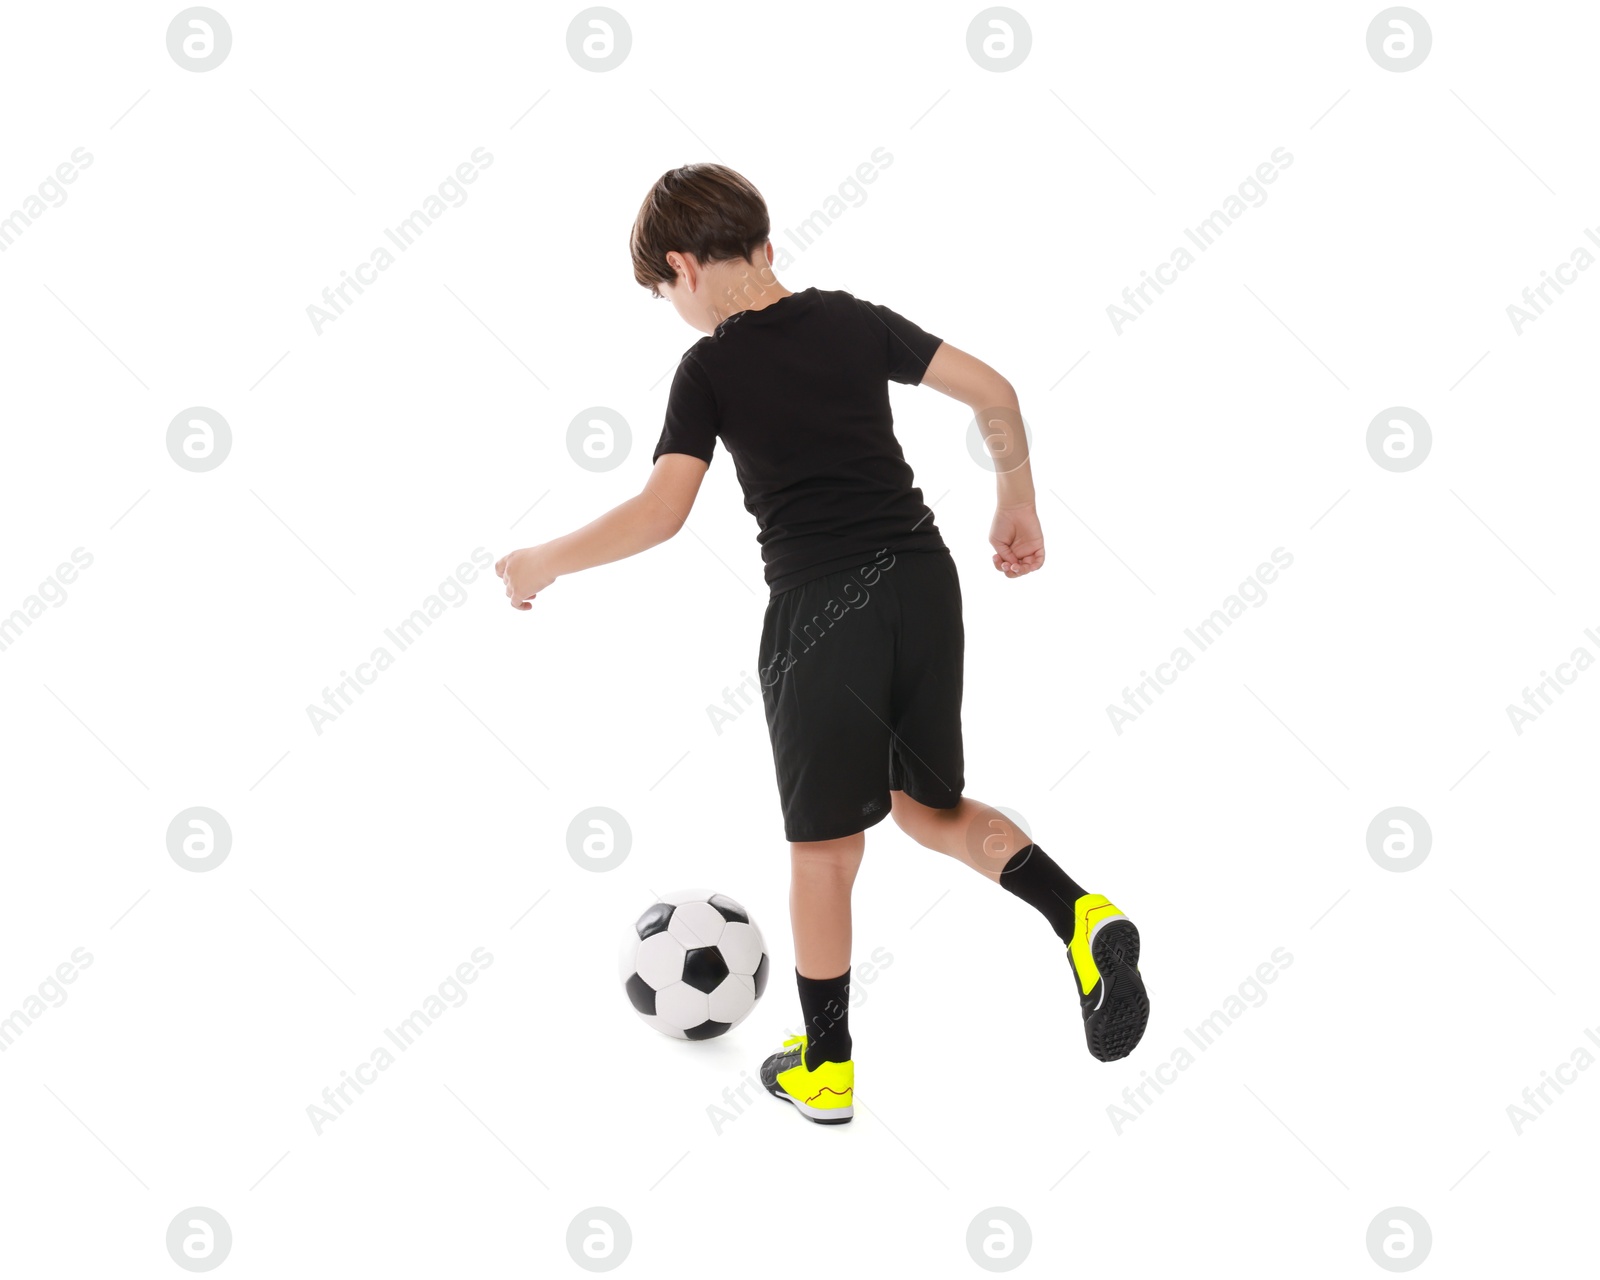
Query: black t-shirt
[(799, 393)]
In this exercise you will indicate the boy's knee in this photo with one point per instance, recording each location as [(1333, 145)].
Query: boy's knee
[(914, 818), (903, 809)]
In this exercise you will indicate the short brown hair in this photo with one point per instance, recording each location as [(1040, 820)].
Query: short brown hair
[(704, 209)]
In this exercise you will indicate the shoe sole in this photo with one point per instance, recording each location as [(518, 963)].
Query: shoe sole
[(1117, 1022), (821, 1115), (817, 1115)]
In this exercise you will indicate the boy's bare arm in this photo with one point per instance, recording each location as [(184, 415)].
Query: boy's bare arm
[(644, 520), (1015, 535)]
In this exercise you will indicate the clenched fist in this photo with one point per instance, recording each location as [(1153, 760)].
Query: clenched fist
[(526, 573), (1017, 540)]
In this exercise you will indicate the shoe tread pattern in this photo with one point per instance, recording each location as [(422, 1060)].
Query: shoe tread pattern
[(1117, 1025)]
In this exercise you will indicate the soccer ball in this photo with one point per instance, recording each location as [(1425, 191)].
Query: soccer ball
[(694, 965)]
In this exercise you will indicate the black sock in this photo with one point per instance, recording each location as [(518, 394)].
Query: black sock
[(1033, 877), (825, 1005)]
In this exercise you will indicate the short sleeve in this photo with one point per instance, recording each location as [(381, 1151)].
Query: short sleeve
[(691, 421), (908, 347)]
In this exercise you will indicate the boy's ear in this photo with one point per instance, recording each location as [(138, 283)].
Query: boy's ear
[(686, 268)]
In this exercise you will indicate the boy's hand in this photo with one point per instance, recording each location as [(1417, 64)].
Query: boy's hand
[(526, 573), (1017, 539)]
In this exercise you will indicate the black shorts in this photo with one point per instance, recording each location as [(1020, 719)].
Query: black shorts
[(861, 676)]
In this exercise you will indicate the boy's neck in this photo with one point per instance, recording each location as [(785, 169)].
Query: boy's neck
[(732, 287)]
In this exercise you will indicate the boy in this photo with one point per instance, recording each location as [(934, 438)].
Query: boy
[(861, 650)]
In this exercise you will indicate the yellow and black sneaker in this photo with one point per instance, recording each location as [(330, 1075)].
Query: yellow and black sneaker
[(825, 1095), (1105, 960)]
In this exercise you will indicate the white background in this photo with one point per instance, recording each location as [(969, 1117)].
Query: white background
[(369, 860)]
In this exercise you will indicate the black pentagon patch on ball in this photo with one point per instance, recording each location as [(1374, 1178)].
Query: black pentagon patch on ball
[(761, 976), (704, 968), (730, 910), (641, 995), (707, 1030), (654, 920)]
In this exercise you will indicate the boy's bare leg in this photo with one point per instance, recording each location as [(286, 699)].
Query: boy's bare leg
[(989, 842), (822, 873), (1105, 959), (972, 832)]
